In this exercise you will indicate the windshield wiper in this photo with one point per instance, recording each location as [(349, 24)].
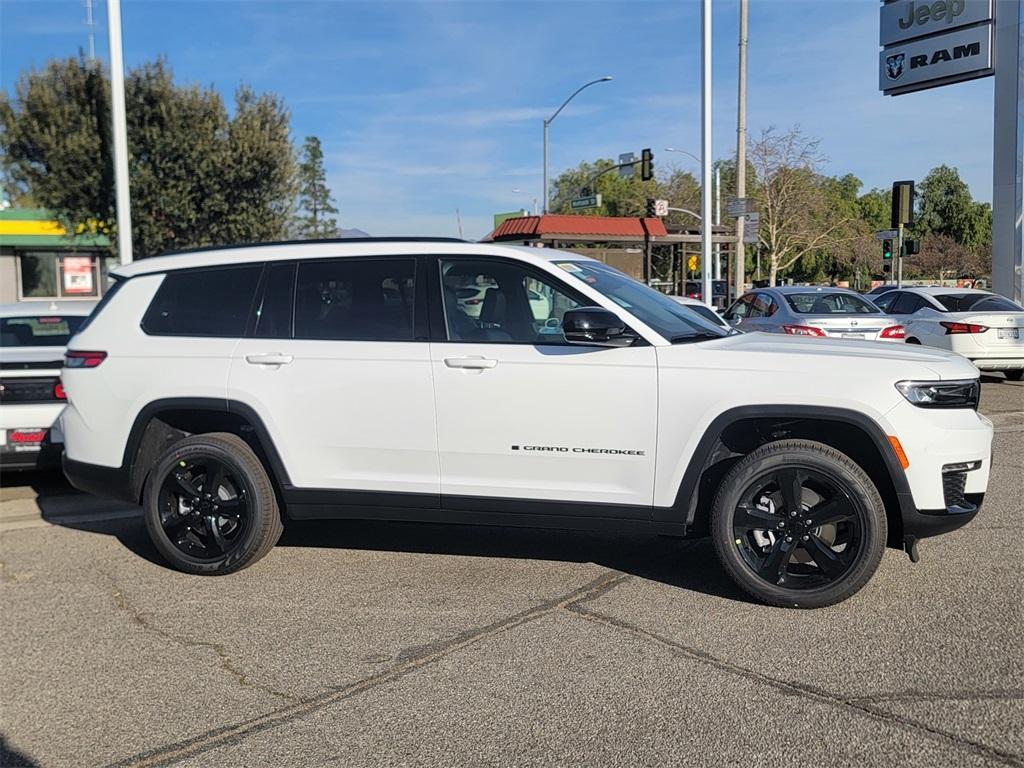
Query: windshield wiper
[(701, 336)]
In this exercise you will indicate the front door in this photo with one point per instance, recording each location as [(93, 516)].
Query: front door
[(336, 369), (523, 418)]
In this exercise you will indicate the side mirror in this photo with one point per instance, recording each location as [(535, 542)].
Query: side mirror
[(595, 326)]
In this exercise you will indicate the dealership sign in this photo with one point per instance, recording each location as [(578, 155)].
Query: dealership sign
[(928, 44)]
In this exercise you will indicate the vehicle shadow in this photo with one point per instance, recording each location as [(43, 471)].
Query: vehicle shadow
[(9, 756), (685, 563)]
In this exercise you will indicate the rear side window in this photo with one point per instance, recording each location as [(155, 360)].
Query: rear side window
[(203, 302), (355, 299)]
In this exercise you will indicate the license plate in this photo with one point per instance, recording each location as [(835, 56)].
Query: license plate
[(852, 335), (1009, 333)]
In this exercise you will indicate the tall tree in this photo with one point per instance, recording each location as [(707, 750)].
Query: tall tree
[(945, 207), (314, 220), (198, 176), (797, 220)]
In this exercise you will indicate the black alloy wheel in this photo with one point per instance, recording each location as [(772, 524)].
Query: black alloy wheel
[(798, 524), (204, 507), (796, 527), (209, 505)]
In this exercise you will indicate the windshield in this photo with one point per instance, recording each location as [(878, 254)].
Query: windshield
[(830, 304), (966, 302), (38, 331), (672, 320)]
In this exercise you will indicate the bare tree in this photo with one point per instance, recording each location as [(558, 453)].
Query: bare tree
[(943, 258), (796, 217)]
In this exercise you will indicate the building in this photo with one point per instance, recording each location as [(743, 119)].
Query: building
[(38, 260)]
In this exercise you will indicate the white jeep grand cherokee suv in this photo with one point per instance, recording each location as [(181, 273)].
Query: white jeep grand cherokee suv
[(226, 389)]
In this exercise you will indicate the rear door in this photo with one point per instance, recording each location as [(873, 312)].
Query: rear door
[(337, 364), (526, 422)]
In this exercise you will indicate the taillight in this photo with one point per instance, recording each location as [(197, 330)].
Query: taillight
[(58, 391), (893, 332), (962, 327), (803, 330), (27, 435), (76, 359)]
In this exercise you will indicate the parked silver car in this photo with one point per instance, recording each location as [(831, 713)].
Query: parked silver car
[(813, 311)]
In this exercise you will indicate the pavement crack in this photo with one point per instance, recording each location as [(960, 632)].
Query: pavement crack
[(138, 618), (861, 706), (409, 661), (998, 694)]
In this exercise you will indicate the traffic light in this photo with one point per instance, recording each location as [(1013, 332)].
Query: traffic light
[(651, 205), (887, 250), (911, 247), (646, 166), (902, 203)]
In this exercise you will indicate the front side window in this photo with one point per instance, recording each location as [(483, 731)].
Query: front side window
[(502, 302), (38, 330), (741, 308), (203, 302), (653, 308), (830, 304), (355, 299)]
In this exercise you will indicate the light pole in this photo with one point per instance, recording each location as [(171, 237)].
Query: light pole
[(548, 122)]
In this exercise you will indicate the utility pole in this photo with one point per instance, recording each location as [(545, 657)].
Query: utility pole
[(91, 24), (119, 119), (741, 153), (705, 152), (718, 220)]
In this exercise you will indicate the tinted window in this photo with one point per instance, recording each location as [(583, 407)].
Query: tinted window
[(741, 308), (355, 299), (996, 304), (908, 304), (822, 303), (274, 315), (964, 302), (500, 302), (885, 300), (203, 302), (38, 330)]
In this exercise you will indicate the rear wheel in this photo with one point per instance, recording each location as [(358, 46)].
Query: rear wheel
[(209, 505), (798, 524), (913, 341), (1014, 375)]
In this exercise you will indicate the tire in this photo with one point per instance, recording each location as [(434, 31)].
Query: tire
[(749, 525), (913, 341), (211, 532), (1014, 375)]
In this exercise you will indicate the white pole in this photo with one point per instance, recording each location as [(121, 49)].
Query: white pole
[(739, 252), (705, 152), (1008, 152), (119, 118), (718, 220)]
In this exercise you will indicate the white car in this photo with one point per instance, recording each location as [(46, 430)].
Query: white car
[(703, 310), (217, 385), (984, 327), (32, 339)]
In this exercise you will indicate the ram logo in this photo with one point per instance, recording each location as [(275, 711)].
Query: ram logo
[(894, 65)]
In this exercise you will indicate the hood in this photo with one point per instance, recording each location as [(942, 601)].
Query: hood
[(844, 355)]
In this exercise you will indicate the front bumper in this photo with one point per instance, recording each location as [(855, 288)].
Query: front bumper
[(924, 523)]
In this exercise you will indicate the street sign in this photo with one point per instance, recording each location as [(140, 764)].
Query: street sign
[(887, 234), (751, 227), (739, 206), (906, 19), (627, 170), (582, 203), (661, 207), (692, 263)]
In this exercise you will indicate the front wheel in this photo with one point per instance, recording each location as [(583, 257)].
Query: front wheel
[(209, 505), (798, 524), (1014, 375)]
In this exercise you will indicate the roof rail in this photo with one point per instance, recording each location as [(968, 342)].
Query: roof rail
[(329, 240)]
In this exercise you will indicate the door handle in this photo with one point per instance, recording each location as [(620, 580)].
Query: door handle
[(474, 363), (268, 359)]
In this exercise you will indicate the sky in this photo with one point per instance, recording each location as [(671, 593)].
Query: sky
[(425, 108)]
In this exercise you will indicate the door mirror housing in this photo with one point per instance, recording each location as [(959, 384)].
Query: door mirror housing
[(595, 326)]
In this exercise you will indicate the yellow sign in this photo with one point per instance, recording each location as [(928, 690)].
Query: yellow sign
[(692, 264)]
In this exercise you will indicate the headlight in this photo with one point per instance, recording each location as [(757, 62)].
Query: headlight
[(964, 393)]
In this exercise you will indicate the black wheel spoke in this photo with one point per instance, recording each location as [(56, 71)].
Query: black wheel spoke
[(791, 486), (774, 566), (184, 485), (215, 533), (750, 517), (214, 479), (827, 560), (834, 510)]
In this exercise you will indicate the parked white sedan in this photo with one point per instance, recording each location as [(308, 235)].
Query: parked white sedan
[(984, 327)]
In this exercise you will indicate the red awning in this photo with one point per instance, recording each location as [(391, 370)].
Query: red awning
[(589, 227)]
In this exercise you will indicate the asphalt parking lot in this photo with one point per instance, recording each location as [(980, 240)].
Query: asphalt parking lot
[(356, 644)]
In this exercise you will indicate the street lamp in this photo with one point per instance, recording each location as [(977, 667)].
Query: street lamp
[(682, 151), (548, 122)]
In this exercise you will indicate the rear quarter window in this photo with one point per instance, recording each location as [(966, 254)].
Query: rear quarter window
[(203, 302)]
